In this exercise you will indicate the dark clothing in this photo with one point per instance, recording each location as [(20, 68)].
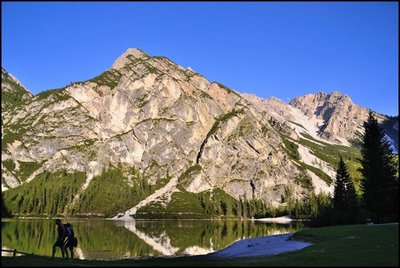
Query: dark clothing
[(70, 239), (70, 242), (61, 232), (60, 239), (61, 236), (69, 231), (58, 243)]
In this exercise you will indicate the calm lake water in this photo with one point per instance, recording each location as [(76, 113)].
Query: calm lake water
[(105, 240)]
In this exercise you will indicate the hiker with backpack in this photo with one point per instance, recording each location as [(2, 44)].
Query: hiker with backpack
[(70, 239)]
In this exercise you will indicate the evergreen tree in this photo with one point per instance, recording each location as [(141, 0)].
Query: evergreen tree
[(346, 207), (379, 175), (4, 211)]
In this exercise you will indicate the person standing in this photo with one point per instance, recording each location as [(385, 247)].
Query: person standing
[(60, 239)]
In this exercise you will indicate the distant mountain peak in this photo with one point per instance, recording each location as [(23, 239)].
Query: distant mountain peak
[(336, 95), (321, 97), (125, 57), (138, 53)]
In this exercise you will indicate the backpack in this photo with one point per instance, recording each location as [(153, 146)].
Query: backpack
[(74, 242), (69, 231)]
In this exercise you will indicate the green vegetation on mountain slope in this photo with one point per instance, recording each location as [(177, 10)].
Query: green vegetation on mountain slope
[(115, 190), (46, 195), (15, 96), (329, 153)]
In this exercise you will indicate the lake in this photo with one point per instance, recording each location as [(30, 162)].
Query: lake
[(106, 240)]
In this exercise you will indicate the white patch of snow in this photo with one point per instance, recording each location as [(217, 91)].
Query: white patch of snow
[(196, 250), (261, 246), (282, 220)]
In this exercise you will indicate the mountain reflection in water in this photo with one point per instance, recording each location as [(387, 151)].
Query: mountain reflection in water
[(105, 240)]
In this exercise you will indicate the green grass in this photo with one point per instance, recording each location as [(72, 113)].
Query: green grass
[(348, 245)]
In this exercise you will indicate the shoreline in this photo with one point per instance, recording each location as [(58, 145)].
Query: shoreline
[(283, 219), (260, 246)]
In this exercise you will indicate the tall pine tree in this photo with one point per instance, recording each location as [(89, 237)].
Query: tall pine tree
[(346, 208), (379, 174)]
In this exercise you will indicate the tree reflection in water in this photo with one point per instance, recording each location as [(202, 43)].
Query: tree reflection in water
[(105, 240)]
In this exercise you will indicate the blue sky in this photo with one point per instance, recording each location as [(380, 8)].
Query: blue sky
[(284, 49)]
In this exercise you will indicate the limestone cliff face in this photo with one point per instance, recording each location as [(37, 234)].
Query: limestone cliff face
[(157, 117), (155, 121)]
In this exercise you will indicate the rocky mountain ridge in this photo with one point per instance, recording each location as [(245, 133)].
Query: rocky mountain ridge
[(12, 91), (151, 127), (339, 116)]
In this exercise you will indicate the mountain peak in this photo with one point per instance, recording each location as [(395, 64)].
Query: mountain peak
[(137, 53), (12, 90), (337, 96), (336, 93), (124, 58)]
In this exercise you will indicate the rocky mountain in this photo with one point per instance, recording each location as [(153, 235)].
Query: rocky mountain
[(149, 138), (330, 117), (12, 91), (341, 120)]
